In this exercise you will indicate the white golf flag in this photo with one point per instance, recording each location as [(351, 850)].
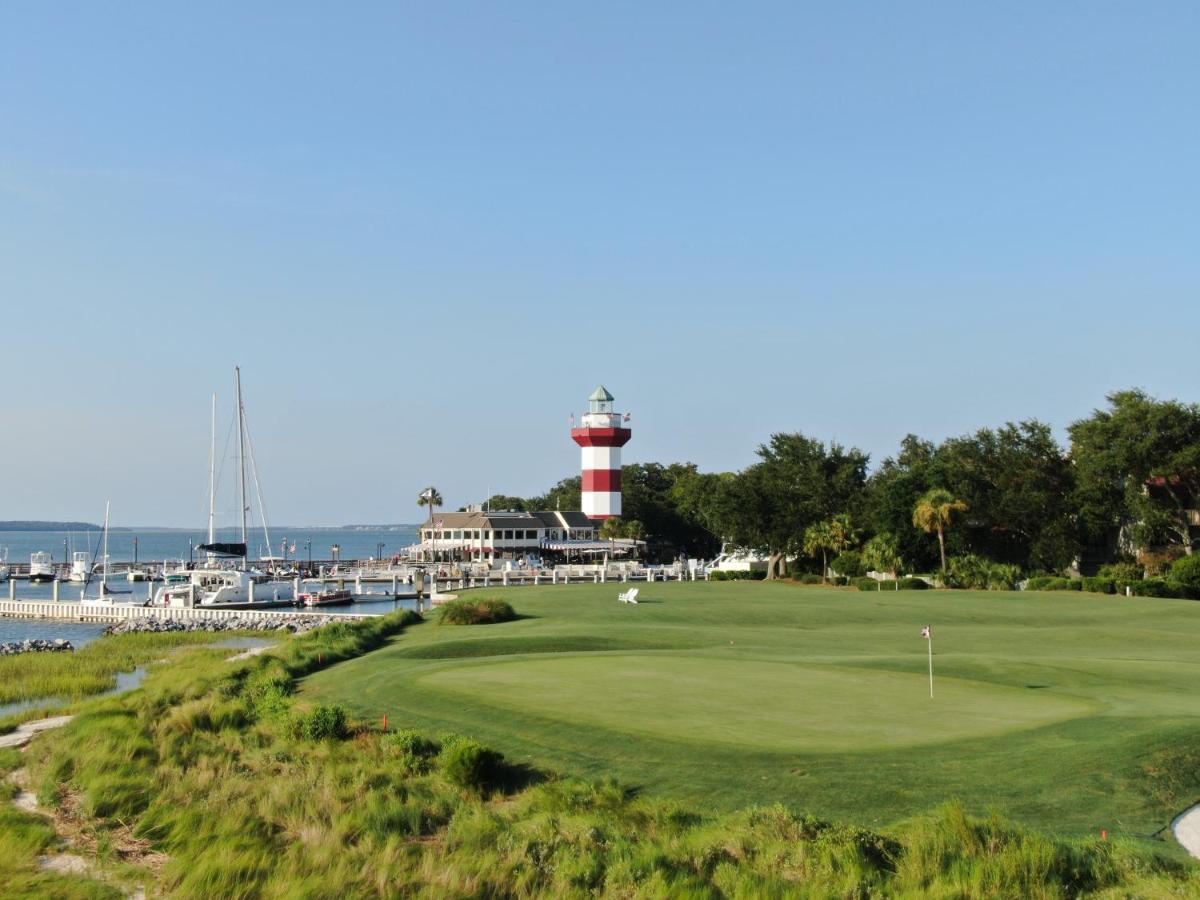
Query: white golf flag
[(925, 633)]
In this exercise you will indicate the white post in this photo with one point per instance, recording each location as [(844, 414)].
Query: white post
[(296, 589), (12, 589), (358, 583), (604, 575), (504, 577), (595, 578), (250, 588), (394, 587), (55, 591)]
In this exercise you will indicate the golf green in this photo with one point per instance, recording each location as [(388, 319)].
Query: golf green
[(800, 707), (1070, 712)]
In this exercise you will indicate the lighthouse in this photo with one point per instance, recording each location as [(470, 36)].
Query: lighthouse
[(602, 436)]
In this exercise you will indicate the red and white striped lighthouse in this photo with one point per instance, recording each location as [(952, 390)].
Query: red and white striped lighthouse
[(602, 436)]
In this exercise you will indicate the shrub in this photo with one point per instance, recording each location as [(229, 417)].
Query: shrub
[(849, 564), (840, 580), (1155, 587), (913, 584), (1054, 583), (1157, 565), (326, 722), (1121, 573), (866, 584), (482, 611), (810, 578), (1185, 571), (738, 575), (469, 764), (415, 751), (1099, 585)]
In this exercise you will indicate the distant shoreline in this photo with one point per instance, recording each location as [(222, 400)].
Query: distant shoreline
[(22, 525)]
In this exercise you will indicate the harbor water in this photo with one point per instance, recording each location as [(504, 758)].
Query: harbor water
[(177, 543)]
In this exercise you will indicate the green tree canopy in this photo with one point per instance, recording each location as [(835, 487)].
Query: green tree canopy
[(1137, 469)]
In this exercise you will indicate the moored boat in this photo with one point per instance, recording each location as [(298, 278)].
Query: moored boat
[(41, 567), (326, 598)]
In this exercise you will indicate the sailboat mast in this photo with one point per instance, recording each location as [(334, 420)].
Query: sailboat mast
[(104, 558), (212, 478), (242, 457)]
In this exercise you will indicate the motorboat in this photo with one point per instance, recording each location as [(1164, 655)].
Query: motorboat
[(4, 572), (326, 598), (81, 566), (41, 567)]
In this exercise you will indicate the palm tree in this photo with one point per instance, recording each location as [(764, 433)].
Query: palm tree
[(882, 553), (936, 511), (834, 535), (433, 499), (818, 538)]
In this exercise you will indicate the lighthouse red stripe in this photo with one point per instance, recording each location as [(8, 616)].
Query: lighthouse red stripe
[(601, 437), (602, 480)]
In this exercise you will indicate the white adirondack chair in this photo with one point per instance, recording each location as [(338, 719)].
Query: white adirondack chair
[(629, 596)]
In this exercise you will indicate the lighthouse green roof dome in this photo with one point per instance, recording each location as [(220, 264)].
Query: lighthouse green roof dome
[(601, 395)]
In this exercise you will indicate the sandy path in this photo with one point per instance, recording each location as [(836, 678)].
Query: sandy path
[(253, 651), (1187, 830), (24, 733)]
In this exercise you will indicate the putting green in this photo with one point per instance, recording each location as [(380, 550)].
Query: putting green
[(752, 703)]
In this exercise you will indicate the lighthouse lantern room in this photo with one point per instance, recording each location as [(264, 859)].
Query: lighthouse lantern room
[(602, 435)]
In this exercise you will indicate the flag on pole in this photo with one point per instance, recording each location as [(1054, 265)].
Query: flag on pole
[(928, 635)]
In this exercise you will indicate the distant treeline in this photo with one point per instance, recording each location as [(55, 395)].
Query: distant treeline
[(1127, 484), (21, 525)]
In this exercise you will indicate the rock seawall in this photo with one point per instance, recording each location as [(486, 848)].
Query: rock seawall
[(249, 622), (34, 645)]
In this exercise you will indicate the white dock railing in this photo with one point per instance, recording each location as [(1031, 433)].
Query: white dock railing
[(84, 612)]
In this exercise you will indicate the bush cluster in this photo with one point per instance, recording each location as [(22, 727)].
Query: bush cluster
[(469, 764), (325, 723), (850, 564), (913, 584), (808, 578), (980, 574), (737, 576), (866, 584), (475, 611)]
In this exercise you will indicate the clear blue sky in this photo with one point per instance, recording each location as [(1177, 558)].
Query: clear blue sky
[(427, 231)]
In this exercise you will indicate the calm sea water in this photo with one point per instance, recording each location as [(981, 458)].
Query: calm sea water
[(174, 543), (78, 633)]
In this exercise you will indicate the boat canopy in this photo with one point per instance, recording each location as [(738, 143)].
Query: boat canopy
[(224, 549)]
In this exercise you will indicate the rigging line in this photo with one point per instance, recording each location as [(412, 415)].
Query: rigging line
[(262, 508), (221, 470)]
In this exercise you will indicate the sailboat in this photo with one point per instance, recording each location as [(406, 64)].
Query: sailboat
[(4, 572), (212, 586), (107, 595)]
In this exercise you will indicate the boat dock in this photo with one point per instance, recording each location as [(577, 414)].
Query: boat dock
[(83, 612)]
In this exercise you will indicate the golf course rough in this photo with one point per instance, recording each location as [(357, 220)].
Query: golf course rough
[(1058, 710)]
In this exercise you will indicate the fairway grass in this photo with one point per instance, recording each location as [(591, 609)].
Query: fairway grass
[(1071, 713)]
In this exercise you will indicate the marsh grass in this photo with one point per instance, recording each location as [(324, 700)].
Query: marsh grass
[(91, 670)]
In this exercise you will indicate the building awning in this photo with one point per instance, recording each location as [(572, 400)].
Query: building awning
[(618, 546)]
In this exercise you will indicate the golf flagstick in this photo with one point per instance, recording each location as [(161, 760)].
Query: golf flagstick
[(928, 635)]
